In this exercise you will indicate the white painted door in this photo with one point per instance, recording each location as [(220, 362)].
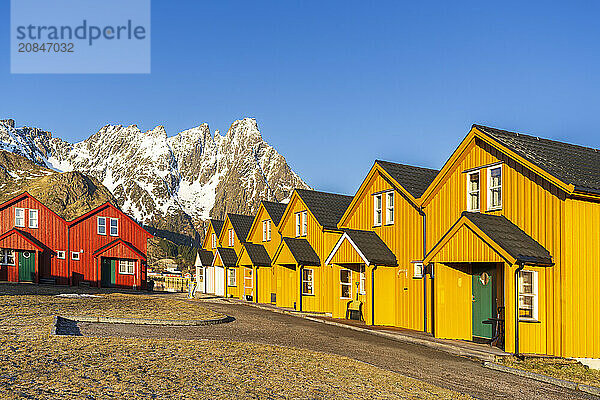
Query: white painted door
[(210, 280), (219, 281)]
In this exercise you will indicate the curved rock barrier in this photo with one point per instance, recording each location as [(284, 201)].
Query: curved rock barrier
[(67, 325)]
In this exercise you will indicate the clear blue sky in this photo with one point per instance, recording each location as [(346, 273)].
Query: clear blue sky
[(337, 84)]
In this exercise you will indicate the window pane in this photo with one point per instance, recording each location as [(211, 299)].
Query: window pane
[(474, 182), (345, 276), (346, 291), (495, 177)]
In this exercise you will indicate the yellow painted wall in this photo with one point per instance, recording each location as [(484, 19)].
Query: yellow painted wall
[(322, 242), (404, 238), (453, 305), (530, 202), (287, 294), (207, 243), (265, 279), (580, 283), (466, 246)]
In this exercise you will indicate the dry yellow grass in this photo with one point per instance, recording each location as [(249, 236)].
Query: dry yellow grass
[(36, 364), (570, 370)]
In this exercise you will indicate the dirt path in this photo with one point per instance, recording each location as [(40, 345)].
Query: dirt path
[(432, 366)]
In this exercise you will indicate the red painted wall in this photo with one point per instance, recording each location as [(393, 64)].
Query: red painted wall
[(51, 231), (56, 234), (84, 236)]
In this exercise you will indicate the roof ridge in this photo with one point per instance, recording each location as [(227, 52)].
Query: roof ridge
[(407, 165), (321, 192), (484, 127)]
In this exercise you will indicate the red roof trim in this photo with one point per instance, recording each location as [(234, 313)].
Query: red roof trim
[(113, 244), (15, 231), (27, 194)]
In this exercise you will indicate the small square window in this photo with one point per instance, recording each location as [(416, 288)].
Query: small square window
[(101, 226), (126, 267), (418, 270), (33, 218), (377, 210), (473, 191), (114, 227), (60, 254), (346, 283), (20, 217), (231, 278), (75, 255)]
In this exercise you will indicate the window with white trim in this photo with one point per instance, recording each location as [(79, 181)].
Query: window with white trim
[(20, 217), (75, 255), (266, 230), (248, 279), (7, 257), (346, 284), (307, 281), (114, 227), (389, 208), (126, 267), (304, 223), (377, 200), (101, 226), (473, 191), (528, 295), (231, 278), (494, 183), (362, 285), (298, 224), (231, 237), (214, 240), (61, 254), (33, 218)]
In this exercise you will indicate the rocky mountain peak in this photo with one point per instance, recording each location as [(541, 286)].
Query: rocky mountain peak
[(170, 184)]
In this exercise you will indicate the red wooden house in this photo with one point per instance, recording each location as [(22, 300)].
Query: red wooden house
[(103, 247)]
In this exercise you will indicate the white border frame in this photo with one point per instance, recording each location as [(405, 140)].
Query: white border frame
[(478, 172), (489, 189)]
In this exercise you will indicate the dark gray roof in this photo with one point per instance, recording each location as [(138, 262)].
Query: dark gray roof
[(511, 238), (302, 251), (328, 208), (275, 210), (372, 247), (206, 257), (217, 225), (228, 256), (414, 179), (241, 225), (258, 254), (572, 164)]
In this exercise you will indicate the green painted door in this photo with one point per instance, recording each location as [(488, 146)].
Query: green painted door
[(484, 299), (26, 266), (108, 271)]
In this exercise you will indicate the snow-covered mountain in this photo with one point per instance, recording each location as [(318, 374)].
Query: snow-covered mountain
[(171, 184)]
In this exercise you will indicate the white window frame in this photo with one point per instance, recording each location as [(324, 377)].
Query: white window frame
[(470, 192), (214, 240), (389, 210), (418, 270), (491, 207), (310, 281), (534, 295), (33, 211), (200, 275), (268, 230), (231, 273), (22, 223), (266, 227), (298, 224), (6, 255), (126, 267), (362, 285), (110, 227), (61, 254), (99, 225), (75, 256), (377, 209), (304, 223), (230, 237), (249, 277), (342, 284)]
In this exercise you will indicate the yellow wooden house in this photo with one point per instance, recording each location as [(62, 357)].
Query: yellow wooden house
[(380, 255), (204, 264), (512, 234), (309, 232), (238, 282), (257, 253)]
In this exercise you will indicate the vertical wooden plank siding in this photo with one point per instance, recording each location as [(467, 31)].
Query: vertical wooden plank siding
[(535, 206), (405, 239)]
